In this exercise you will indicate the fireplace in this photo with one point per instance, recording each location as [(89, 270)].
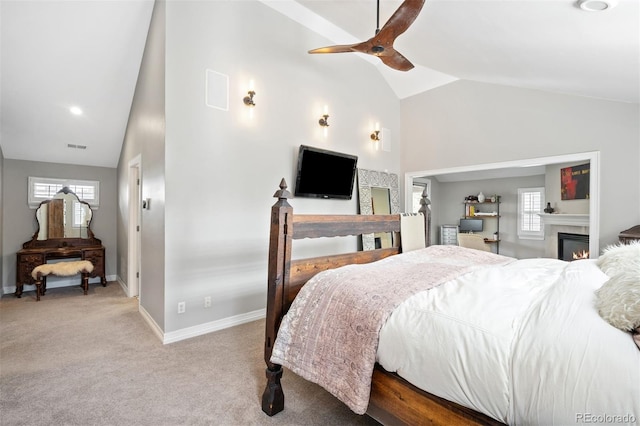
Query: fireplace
[(573, 246)]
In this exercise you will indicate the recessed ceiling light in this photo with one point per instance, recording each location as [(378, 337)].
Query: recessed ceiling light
[(597, 5), (75, 110)]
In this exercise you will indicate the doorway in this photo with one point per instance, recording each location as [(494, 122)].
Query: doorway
[(504, 169)]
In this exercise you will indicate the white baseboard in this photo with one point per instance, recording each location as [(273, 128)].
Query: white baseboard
[(210, 327), (56, 282), (124, 285), (201, 329), (157, 330)]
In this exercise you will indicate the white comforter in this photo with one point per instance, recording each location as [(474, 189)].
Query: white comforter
[(521, 343)]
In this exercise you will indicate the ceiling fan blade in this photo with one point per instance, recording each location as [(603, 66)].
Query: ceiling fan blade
[(381, 44), (335, 49), (401, 19), (396, 61)]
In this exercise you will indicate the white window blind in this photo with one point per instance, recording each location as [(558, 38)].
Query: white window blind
[(41, 189), (530, 205)]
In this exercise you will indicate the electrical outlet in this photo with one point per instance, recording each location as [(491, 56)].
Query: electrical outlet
[(182, 307), (207, 302)]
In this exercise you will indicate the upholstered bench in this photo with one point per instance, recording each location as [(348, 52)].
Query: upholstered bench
[(61, 269)]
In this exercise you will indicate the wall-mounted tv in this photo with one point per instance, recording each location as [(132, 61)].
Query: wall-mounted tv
[(470, 225), (324, 174)]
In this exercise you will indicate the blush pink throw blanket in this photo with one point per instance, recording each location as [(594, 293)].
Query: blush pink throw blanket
[(330, 334)]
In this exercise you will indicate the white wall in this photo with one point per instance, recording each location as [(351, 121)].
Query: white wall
[(222, 168), (145, 138), (467, 123)]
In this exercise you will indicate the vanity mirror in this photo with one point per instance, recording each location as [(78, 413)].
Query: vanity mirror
[(378, 193), (64, 216)]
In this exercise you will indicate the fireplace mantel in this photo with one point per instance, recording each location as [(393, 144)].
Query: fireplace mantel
[(565, 219)]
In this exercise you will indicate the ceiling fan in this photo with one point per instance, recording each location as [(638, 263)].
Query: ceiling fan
[(381, 44)]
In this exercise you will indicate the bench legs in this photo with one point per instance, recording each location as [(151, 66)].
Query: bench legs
[(85, 282), (41, 284)]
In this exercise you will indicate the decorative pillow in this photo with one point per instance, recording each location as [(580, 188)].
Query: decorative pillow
[(618, 300), (619, 258)]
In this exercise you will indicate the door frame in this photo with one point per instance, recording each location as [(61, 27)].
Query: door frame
[(135, 201)]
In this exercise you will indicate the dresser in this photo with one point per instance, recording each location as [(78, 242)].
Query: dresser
[(27, 259), (631, 234), (449, 235), (64, 232)]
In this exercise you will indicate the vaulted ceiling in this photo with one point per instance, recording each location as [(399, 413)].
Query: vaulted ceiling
[(59, 54)]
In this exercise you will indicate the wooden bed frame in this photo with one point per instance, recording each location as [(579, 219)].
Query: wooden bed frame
[(393, 400)]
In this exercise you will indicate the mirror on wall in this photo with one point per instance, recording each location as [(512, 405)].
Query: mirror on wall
[(378, 193), (64, 216)]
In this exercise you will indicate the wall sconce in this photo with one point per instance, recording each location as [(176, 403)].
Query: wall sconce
[(324, 121), (248, 100), (375, 136)]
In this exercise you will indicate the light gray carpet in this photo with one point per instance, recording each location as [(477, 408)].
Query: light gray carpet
[(72, 359)]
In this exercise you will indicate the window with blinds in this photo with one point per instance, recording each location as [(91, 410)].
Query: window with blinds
[(530, 205), (41, 189)]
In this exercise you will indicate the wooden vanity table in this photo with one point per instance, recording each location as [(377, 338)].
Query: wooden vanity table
[(64, 232)]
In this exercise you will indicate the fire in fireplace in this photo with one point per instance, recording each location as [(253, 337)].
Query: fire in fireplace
[(573, 246)]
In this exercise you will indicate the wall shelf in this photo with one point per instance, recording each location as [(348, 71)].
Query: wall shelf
[(563, 219)]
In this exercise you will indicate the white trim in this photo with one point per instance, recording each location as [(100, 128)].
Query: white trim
[(157, 330), (122, 284), (210, 327), (594, 184), (135, 214)]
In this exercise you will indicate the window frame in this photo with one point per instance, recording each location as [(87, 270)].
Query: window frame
[(526, 234), (34, 201)]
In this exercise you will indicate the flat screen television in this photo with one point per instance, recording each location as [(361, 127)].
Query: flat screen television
[(324, 174), (470, 225)]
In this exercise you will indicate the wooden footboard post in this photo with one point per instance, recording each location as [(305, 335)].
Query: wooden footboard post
[(278, 280), (425, 209)]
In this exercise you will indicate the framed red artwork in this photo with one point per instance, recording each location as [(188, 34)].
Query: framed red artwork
[(574, 182)]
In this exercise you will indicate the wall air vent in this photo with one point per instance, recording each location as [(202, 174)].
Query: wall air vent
[(73, 145)]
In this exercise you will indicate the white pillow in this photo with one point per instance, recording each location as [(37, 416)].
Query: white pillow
[(618, 300), (619, 258)]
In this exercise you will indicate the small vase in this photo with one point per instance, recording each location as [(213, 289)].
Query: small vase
[(481, 197), (549, 209)]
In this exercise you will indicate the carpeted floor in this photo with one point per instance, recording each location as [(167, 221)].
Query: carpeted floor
[(72, 359)]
